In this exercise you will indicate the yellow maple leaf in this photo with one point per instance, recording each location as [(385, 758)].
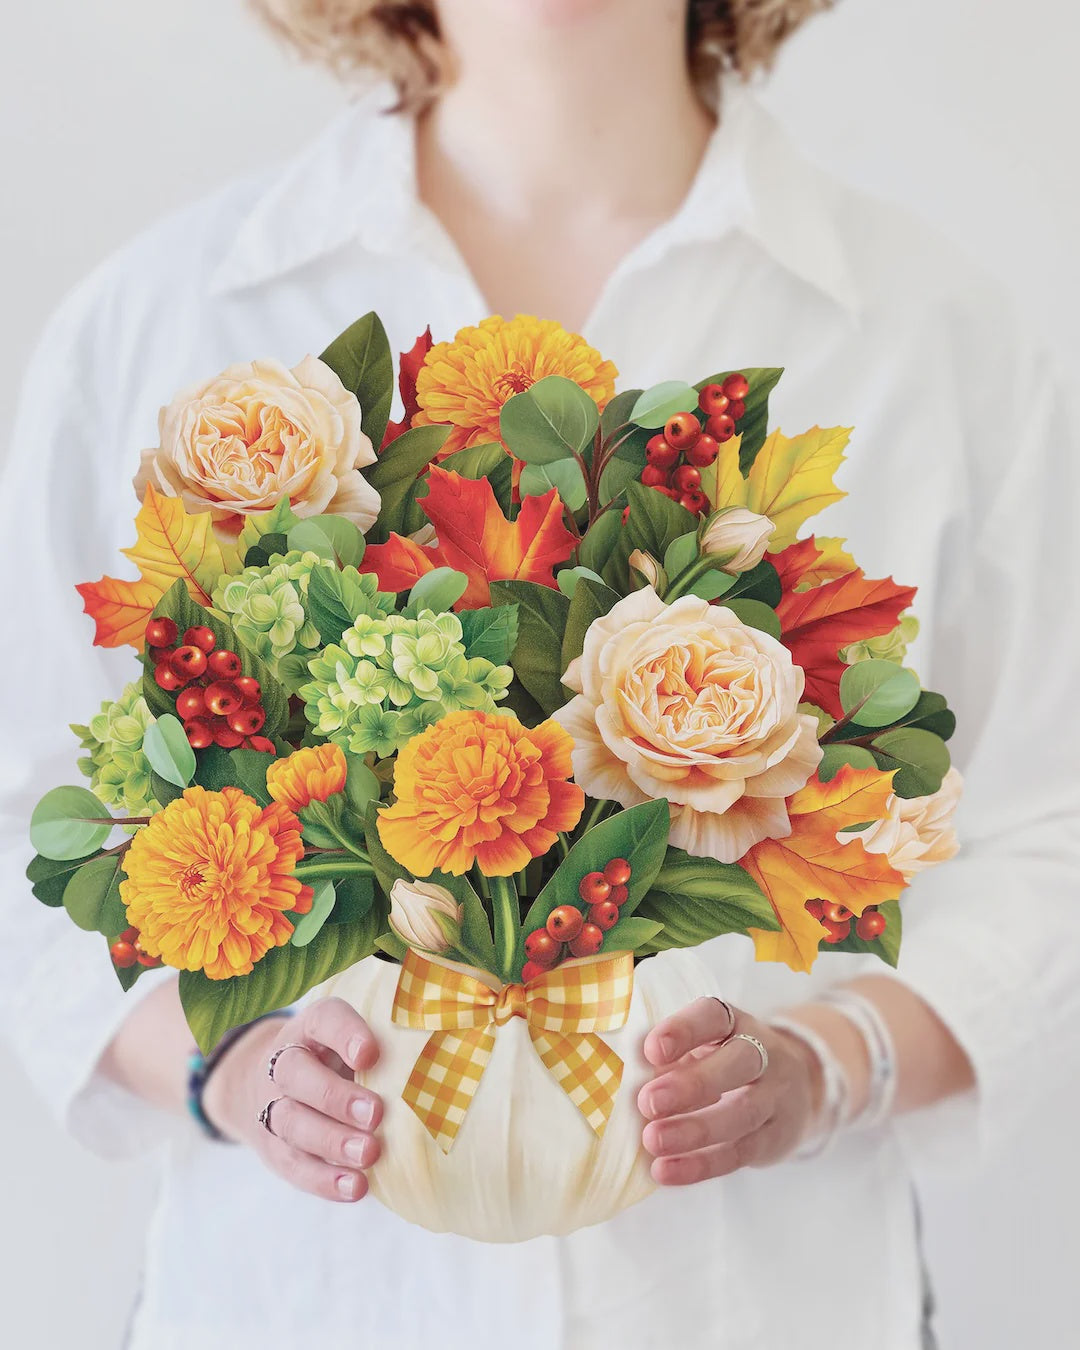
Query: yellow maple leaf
[(833, 561), (812, 864), (789, 481), (169, 545)]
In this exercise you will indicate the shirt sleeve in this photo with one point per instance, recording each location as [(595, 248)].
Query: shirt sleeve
[(66, 506), (991, 940)]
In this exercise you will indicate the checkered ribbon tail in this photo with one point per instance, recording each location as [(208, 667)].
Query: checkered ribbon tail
[(564, 1010)]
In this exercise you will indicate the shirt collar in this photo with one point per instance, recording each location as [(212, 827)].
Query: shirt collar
[(356, 183)]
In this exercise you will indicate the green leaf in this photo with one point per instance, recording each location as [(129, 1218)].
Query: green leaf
[(563, 475), (836, 756), (619, 473), (553, 419), (392, 945), (655, 522), (243, 769), (166, 746), (307, 926), (490, 633), (569, 577), (283, 975), (591, 600), (664, 400), (599, 541), (362, 360), (438, 590), (616, 414), (712, 585), (361, 785), (334, 600), (332, 537), (92, 897), (930, 713), (49, 876), (63, 827), (627, 935), (698, 898), (920, 758), (760, 583), (887, 947), (177, 604), (681, 553), (755, 614), (475, 943), (262, 524), (542, 618), (355, 896), (162, 790), (395, 476), (387, 869), (754, 426), (485, 461), (639, 835), (879, 692)]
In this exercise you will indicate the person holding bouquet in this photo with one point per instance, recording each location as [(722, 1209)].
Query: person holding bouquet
[(597, 164)]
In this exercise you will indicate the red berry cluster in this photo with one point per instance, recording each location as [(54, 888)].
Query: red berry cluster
[(216, 703), (570, 932), (676, 456), (127, 950), (837, 920)]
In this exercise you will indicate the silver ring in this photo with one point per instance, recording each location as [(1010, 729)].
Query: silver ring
[(731, 1019), (264, 1114), (753, 1040), (271, 1063)]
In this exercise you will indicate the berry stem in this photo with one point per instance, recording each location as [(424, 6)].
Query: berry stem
[(504, 906)]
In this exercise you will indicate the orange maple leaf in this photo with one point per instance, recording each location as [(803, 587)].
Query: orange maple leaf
[(409, 368), (811, 864), (474, 537), (169, 544), (815, 624), (811, 562)]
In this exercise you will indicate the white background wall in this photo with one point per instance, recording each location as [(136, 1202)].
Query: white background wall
[(111, 113)]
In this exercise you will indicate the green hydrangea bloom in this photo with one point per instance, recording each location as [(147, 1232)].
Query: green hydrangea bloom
[(392, 676), (890, 647), (114, 762), (265, 605)]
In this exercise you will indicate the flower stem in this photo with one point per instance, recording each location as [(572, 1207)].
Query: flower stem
[(333, 867), (504, 904)]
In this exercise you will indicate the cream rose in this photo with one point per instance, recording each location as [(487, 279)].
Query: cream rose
[(686, 703), (258, 433), (413, 906), (740, 535), (918, 831)]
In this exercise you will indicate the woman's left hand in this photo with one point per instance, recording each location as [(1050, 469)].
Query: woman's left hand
[(711, 1109)]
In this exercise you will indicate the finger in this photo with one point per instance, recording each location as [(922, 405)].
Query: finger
[(718, 1160), (294, 1123), (336, 1024), (706, 1021), (699, 1082), (736, 1115), (312, 1175), (305, 1079)]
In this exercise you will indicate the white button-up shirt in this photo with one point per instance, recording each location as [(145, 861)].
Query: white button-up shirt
[(960, 479)]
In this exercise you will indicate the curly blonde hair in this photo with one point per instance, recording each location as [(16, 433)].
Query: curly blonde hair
[(400, 38)]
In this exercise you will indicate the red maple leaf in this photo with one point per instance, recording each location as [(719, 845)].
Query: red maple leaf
[(408, 370), (474, 537)]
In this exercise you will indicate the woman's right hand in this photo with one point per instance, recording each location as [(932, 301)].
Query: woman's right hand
[(322, 1123)]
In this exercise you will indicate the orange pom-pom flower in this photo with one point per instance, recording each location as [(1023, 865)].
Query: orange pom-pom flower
[(306, 776), (480, 787), (210, 881)]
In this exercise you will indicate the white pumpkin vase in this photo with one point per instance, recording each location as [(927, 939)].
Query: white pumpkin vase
[(525, 1162)]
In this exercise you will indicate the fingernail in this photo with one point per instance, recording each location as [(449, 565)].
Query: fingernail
[(356, 1150), (346, 1184), (354, 1050), (659, 1103), (667, 1047), (363, 1112)]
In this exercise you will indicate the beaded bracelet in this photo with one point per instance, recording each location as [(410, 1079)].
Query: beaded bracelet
[(836, 1090), (201, 1066), (863, 1014)]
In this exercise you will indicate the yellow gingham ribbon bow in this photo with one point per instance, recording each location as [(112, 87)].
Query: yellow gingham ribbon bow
[(564, 1009)]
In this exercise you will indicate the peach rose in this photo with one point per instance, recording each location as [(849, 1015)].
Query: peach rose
[(685, 702), (918, 831), (258, 433)]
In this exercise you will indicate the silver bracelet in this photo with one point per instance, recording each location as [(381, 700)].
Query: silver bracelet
[(863, 1014), (836, 1091)]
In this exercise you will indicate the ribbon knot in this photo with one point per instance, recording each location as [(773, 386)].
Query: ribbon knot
[(563, 1009)]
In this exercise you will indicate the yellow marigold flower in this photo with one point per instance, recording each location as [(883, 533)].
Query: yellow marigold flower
[(480, 787), (306, 776), (467, 381), (210, 881)]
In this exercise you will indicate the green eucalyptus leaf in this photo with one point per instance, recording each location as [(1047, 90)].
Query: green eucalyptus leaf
[(553, 419), (361, 784), (438, 590), (755, 615), (563, 475), (920, 758), (664, 400), (48, 877), (362, 360), (259, 526), (166, 746), (878, 693), (569, 577), (65, 824), (332, 537), (306, 926), (681, 552), (712, 585), (836, 756)]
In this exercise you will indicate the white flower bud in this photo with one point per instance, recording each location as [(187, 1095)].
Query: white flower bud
[(738, 536), (413, 906), (650, 571)]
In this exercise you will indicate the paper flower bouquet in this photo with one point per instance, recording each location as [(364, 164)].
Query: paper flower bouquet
[(465, 729)]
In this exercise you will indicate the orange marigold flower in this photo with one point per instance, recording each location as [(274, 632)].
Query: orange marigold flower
[(306, 776), (210, 881), (480, 787), (467, 381)]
